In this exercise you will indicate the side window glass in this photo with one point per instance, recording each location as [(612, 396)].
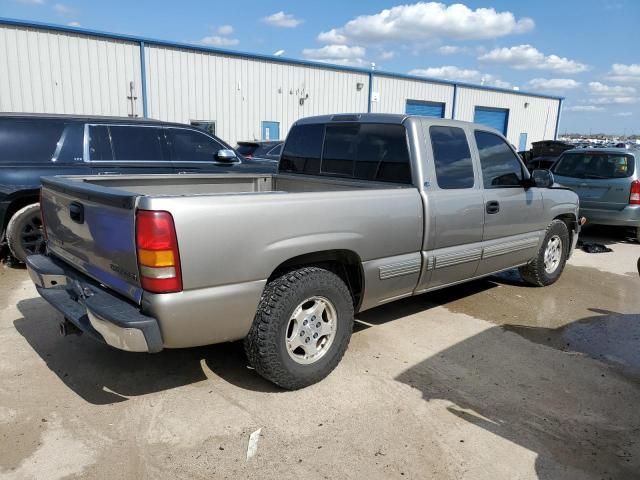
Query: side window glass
[(99, 143), (301, 153), (192, 146), (29, 140), (500, 166), (276, 151), (454, 168), (136, 143), (72, 142)]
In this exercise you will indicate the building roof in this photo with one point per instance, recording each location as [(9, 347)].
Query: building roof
[(254, 56)]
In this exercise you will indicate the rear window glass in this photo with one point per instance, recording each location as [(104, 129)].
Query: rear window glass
[(135, 143), (594, 165), (29, 140), (365, 151), (452, 158), (303, 150)]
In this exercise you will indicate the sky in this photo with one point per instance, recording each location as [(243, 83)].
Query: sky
[(586, 51)]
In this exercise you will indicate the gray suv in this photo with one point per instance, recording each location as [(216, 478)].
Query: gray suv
[(607, 183)]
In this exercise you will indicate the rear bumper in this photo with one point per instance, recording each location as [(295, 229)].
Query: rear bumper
[(629, 216), (96, 311)]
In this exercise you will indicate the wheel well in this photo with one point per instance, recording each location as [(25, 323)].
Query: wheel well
[(569, 220), (17, 204), (344, 263)]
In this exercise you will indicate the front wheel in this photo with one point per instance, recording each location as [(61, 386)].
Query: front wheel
[(302, 327), (549, 262)]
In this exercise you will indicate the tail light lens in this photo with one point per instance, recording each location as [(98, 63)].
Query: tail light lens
[(634, 196), (158, 256)]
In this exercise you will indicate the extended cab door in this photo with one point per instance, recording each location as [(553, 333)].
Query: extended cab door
[(513, 214), (126, 149), (454, 206)]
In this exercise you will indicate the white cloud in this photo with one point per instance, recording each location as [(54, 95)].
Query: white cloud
[(281, 19), (31, 2), (624, 73), (387, 55), (614, 100), (553, 84), (74, 24), (225, 30), (218, 41), (598, 88), (62, 9), (452, 50), (424, 20), (584, 108), (450, 72), (624, 114), (526, 57), (338, 54)]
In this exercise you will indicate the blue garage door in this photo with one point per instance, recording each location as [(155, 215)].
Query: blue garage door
[(270, 130), (492, 117), (425, 109)]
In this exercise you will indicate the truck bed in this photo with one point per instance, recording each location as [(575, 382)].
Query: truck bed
[(216, 184)]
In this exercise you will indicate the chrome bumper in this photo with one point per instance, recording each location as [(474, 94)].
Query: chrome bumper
[(92, 308)]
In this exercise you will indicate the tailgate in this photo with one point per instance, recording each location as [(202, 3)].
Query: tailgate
[(93, 229)]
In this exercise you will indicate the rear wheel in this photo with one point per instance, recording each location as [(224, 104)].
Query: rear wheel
[(549, 263), (302, 327), (25, 235)]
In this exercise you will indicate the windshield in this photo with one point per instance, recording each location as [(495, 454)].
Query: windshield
[(594, 165)]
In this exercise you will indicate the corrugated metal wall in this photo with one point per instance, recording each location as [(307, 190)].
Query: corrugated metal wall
[(54, 72), (537, 118), (394, 93), (60, 71), (240, 93)]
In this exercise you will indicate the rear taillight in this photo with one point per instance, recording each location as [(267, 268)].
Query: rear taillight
[(634, 196), (158, 256)]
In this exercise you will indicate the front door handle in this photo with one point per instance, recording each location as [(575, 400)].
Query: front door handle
[(492, 207)]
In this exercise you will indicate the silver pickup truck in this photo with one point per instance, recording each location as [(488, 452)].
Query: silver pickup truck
[(365, 209)]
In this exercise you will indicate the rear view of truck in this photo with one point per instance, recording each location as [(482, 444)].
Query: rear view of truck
[(97, 238)]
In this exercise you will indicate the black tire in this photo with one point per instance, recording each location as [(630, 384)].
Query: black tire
[(636, 231), (266, 343), (24, 232), (535, 272)]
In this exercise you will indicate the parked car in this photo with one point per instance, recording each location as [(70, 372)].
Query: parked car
[(544, 153), (32, 146), (365, 209), (607, 182), (267, 150)]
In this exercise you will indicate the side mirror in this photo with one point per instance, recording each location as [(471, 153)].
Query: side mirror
[(226, 155), (542, 178)]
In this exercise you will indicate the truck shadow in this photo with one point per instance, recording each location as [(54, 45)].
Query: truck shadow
[(580, 417), (102, 375)]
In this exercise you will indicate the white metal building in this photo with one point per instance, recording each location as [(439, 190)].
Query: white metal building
[(56, 69)]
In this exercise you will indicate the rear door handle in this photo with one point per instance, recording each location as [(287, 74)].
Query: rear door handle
[(492, 207)]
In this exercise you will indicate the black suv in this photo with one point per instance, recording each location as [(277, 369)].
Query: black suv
[(34, 146)]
